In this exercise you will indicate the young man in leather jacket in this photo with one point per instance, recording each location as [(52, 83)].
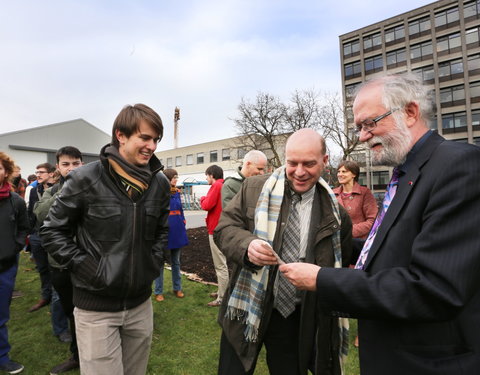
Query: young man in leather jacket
[(108, 226)]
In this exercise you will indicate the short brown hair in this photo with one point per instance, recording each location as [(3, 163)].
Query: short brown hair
[(8, 165), (170, 173), (129, 118), (49, 167), (350, 166)]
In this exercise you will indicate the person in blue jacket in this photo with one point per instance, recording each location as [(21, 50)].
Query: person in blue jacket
[(177, 238)]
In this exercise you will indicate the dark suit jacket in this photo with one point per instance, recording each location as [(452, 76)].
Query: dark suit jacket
[(418, 300)]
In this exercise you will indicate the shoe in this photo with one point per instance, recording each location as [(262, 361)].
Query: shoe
[(214, 303), (17, 294), (11, 367), (355, 344), (159, 297), (214, 295), (178, 293), (65, 336), (69, 364), (39, 305)]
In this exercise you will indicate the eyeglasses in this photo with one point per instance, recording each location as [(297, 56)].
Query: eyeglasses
[(370, 124), (40, 172)]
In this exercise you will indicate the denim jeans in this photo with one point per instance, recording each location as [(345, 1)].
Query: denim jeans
[(176, 276), (7, 282), (58, 317), (41, 260)]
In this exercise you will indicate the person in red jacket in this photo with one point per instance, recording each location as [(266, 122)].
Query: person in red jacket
[(212, 203)]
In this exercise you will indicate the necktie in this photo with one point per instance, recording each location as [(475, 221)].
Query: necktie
[(389, 194), (286, 292)]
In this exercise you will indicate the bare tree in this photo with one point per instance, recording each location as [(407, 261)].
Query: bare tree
[(303, 111), (332, 124), (260, 123)]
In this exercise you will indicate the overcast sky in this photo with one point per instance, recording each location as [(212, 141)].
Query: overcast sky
[(62, 60)]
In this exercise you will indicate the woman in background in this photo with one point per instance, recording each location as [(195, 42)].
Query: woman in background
[(13, 232), (177, 238)]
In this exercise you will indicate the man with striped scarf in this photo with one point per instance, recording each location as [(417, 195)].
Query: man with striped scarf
[(292, 216)]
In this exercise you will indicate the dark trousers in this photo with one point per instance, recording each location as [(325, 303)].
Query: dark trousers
[(63, 285), (41, 260), (7, 282), (281, 344)]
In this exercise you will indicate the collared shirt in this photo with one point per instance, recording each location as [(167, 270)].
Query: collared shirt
[(305, 215)]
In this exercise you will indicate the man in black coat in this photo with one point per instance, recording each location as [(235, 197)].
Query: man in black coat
[(417, 294)]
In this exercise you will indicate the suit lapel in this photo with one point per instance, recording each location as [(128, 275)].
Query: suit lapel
[(405, 187)]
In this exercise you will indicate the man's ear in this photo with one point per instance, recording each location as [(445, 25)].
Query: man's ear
[(325, 159), (121, 137), (412, 113)]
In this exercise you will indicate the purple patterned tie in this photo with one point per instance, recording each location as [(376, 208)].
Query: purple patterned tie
[(390, 193)]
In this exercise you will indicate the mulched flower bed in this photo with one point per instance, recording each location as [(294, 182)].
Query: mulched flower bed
[(196, 258)]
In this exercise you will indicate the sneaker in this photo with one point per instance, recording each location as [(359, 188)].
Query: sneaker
[(69, 364), (11, 367), (159, 298), (65, 336)]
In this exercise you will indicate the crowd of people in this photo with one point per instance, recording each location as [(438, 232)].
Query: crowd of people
[(294, 258)]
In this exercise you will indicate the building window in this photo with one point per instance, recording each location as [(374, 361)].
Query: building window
[(353, 70), (427, 73), (351, 48), (472, 38), (454, 122), (471, 10), (350, 90), (476, 119), (178, 161), (373, 64), (225, 154), (241, 153), (213, 156), (451, 96), (449, 44), (372, 42), (394, 35), (190, 159), (396, 58), (475, 92), (421, 51), (169, 162), (474, 64), (200, 158), (450, 70), (447, 18), (419, 27), (380, 179)]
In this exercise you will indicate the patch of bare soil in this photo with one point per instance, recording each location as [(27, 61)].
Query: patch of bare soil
[(196, 258)]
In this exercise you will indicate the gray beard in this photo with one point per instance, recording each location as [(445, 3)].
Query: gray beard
[(396, 146)]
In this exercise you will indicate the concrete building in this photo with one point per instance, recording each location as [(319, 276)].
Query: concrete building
[(34, 146), (191, 161), (441, 43)]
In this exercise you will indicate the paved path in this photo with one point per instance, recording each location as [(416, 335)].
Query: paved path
[(195, 219)]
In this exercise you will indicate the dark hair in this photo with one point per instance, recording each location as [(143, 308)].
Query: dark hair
[(215, 171), (170, 173), (350, 166), (49, 167), (8, 165), (129, 119), (31, 178), (71, 151)]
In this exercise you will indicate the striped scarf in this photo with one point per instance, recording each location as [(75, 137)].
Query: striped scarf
[(246, 300)]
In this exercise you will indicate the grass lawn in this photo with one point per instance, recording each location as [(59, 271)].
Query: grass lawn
[(185, 340)]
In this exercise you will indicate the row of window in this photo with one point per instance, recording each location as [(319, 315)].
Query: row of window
[(418, 52), (199, 157), (396, 34), (457, 122)]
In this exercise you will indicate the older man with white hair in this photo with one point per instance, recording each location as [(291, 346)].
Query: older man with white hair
[(254, 164)]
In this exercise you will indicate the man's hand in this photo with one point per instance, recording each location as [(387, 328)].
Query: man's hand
[(260, 253), (301, 275)]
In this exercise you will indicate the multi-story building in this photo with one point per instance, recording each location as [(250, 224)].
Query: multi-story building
[(441, 43)]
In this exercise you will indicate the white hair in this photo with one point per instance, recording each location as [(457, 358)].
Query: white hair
[(254, 156)]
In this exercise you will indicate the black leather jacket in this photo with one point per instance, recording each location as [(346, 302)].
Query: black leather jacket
[(112, 245)]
